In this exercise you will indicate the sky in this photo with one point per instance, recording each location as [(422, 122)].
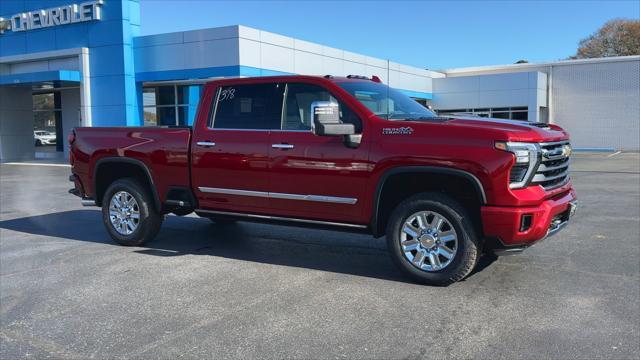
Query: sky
[(426, 34)]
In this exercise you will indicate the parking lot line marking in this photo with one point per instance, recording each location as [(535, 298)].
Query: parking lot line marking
[(36, 164), (614, 154)]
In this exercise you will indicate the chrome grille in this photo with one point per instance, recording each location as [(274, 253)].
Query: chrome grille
[(553, 170)]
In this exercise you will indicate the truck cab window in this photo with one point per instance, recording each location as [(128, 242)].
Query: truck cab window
[(297, 114), (254, 106)]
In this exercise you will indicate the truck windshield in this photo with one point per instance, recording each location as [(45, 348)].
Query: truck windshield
[(387, 102)]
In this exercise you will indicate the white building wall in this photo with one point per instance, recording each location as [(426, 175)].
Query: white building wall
[(253, 48), (40, 61), (195, 49), (599, 104), (265, 50), (492, 91), (596, 100), (64, 63)]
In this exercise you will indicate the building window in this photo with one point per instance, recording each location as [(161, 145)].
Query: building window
[(170, 104), (47, 116), (520, 113), (511, 113), (44, 110), (422, 102)]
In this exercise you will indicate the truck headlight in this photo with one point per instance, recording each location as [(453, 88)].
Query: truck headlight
[(527, 156)]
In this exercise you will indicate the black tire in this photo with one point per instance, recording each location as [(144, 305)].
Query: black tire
[(149, 222), (468, 249), (38, 143)]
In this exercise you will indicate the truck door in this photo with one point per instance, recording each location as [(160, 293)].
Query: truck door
[(316, 176), (230, 151)]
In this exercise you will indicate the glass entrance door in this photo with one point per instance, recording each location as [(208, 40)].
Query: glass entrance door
[(47, 122)]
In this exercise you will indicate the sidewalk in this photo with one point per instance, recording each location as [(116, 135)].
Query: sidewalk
[(39, 162)]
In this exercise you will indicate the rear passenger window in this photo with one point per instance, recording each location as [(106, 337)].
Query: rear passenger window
[(255, 106), (297, 114)]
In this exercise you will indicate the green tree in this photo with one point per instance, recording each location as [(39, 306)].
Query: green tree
[(617, 37)]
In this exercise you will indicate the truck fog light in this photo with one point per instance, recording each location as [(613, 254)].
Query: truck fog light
[(518, 172), (525, 222)]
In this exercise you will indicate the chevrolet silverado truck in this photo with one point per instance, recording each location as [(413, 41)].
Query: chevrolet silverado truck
[(344, 153)]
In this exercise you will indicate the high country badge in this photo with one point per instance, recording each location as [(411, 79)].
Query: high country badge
[(397, 131)]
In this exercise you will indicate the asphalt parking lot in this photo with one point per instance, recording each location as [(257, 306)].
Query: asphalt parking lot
[(261, 291)]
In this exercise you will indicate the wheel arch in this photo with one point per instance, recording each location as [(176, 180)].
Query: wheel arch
[(122, 168), (380, 215)]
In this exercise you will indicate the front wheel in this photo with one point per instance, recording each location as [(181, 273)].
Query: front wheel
[(128, 213), (432, 239)]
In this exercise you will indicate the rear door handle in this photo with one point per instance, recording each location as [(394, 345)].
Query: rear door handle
[(206, 143), (282, 146)]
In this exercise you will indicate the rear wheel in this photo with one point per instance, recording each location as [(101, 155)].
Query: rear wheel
[(128, 213), (432, 239)]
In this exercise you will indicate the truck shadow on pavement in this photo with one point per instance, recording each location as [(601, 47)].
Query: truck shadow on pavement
[(322, 250)]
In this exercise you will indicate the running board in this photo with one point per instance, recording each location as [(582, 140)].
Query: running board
[(88, 202), (282, 219)]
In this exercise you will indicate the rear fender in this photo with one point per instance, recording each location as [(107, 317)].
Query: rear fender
[(139, 164)]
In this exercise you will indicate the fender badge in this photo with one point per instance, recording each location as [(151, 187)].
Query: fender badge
[(398, 131)]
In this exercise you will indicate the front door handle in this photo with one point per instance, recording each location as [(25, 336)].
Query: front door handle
[(282, 146), (206, 143)]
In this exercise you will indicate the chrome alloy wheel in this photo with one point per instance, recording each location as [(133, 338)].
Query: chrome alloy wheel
[(124, 213), (428, 241)]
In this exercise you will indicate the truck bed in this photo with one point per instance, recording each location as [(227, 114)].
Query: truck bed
[(164, 151)]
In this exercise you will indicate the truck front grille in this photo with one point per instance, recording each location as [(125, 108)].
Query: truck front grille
[(553, 170)]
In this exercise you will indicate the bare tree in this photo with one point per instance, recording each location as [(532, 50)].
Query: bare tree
[(617, 37)]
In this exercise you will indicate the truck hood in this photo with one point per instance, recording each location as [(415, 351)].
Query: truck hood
[(513, 130)]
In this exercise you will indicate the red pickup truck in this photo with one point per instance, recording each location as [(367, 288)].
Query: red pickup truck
[(337, 152)]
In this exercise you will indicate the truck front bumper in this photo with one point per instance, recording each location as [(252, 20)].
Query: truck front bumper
[(515, 228)]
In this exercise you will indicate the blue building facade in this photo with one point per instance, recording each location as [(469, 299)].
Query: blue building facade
[(109, 68)]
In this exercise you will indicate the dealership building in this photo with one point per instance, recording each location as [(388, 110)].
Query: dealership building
[(65, 64)]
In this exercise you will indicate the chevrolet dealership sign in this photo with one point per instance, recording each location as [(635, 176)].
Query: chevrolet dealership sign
[(62, 15)]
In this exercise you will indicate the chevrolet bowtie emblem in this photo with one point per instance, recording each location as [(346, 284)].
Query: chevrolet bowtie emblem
[(566, 150), (558, 153)]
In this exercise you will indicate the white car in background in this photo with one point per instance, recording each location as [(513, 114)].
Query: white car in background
[(43, 137)]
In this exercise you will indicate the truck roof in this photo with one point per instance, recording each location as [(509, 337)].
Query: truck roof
[(276, 78)]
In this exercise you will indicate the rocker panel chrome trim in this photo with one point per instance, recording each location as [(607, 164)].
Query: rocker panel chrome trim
[(272, 195), (233, 192)]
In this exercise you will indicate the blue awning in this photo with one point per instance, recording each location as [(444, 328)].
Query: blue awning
[(36, 77)]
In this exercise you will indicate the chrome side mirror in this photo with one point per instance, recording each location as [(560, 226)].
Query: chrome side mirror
[(326, 120)]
